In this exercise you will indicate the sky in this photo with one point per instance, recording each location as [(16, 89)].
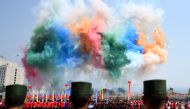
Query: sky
[(18, 19)]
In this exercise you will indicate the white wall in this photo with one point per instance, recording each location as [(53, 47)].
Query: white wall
[(10, 72)]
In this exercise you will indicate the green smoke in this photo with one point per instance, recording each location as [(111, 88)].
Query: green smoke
[(42, 48), (114, 55)]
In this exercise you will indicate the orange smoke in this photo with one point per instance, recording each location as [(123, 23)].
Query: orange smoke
[(156, 47), (81, 29)]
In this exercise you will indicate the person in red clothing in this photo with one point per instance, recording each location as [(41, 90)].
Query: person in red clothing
[(165, 105), (27, 105), (44, 105), (171, 105), (49, 104), (57, 105), (52, 104), (40, 104), (30, 104), (35, 104), (62, 104), (1, 104), (139, 105), (186, 106), (179, 106)]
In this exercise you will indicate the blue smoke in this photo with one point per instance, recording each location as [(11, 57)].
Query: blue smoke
[(68, 54), (130, 38)]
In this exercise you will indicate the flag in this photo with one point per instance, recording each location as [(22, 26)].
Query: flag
[(102, 94), (96, 97)]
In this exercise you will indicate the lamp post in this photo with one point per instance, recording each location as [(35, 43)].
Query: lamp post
[(129, 90)]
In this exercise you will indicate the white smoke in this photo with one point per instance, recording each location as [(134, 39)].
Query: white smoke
[(144, 16)]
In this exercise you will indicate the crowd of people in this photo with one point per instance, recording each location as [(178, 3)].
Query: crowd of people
[(120, 104), (112, 104), (177, 105), (154, 97)]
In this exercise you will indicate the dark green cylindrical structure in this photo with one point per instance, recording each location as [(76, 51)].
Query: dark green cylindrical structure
[(155, 88), (81, 89), (15, 95)]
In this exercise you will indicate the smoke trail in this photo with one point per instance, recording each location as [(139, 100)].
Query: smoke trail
[(91, 40)]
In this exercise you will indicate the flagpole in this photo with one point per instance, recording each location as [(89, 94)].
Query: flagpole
[(102, 93), (53, 96), (37, 97), (96, 96), (46, 97)]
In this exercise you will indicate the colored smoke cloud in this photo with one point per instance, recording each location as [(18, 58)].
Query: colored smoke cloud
[(90, 40)]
